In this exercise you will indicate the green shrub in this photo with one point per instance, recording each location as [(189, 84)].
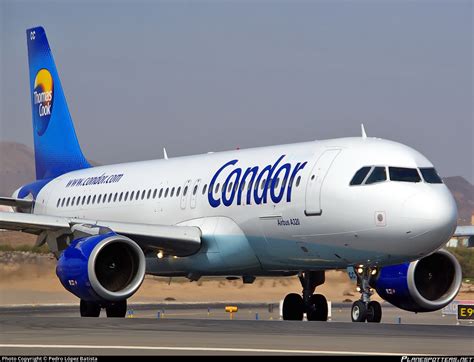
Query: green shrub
[(465, 256), (43, 249)]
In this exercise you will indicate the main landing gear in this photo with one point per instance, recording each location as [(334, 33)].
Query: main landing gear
[(364, 309), (114, 310), (314, 305)]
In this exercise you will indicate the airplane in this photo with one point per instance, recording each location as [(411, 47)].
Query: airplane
[(371, 206)]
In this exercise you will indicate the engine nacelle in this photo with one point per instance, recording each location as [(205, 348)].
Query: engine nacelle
[(102, 268), (424, 285)]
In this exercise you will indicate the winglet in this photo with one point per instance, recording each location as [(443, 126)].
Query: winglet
[(364, 135), (165, 155)]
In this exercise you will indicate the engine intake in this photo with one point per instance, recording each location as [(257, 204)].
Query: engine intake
[(102, 268), (424, 285)]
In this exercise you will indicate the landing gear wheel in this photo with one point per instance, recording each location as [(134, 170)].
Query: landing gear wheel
[(293, 307), (319, 308), (89, 309), (374, 312), (117, 310), (359, 311)]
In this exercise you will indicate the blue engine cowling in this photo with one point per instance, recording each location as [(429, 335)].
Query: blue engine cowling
[(424, 285), (102, 268)]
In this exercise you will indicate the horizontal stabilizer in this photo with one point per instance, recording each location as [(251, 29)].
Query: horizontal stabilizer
[(23, 204)]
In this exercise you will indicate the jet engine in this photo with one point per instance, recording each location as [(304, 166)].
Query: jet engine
[(102, 268), (423, 285)]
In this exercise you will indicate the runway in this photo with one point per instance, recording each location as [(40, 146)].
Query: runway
[(56, 330)]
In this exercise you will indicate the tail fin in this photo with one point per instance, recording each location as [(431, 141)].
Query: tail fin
[(57, 150)]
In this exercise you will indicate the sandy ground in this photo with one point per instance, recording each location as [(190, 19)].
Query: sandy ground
[(33, 281)]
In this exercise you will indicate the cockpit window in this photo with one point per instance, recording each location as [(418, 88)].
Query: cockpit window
[(430, 175), (404, 174), (359, 176), (378, 174)]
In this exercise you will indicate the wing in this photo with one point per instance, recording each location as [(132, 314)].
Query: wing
[(178, 240)]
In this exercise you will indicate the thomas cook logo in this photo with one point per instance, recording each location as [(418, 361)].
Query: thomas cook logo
[(43, 100)]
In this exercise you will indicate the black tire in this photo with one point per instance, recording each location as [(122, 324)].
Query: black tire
[(374, 312), (89, 309), (359, 311), (117, 309), (319, 308), (293, 307)]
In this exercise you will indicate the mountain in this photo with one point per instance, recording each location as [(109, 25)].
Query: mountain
[(17, 167), (463, 192)]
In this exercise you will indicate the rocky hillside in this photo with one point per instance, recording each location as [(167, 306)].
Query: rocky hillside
[(17, 166)]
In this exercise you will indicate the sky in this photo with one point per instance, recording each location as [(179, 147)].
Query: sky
[(196, 76)]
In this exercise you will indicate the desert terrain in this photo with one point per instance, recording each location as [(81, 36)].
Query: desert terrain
[(29, 278)]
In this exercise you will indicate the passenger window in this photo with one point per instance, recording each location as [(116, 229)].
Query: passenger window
[(126, 196), (291, 182), (67, 202), (277, 182), (115, 197), (137, 196), (172, 192), (166, 192), (143, 194), (185, 191), (160, 194), (359, 176), (263, 184), (73, 200), (131, 195), (430, 175), (148, 194), (229, 187), (178, 191), (78, 201), (204, 189), (154, 193), (298, 180), (98, 199), (110, 197), (59, 201), (120, 197), (404, 174), (195, 189), (88, 199), (378, 175), (217, 188)]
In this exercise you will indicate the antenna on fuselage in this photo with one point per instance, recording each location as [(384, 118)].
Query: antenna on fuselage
[(364, 135), (165, 155)]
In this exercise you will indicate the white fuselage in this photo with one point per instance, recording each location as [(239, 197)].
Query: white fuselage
[(318, 222)]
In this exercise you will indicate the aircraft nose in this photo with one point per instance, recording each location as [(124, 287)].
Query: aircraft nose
[(433, 214)]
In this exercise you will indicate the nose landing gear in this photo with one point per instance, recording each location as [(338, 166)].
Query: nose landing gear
[(364, 309), (314, 305)]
